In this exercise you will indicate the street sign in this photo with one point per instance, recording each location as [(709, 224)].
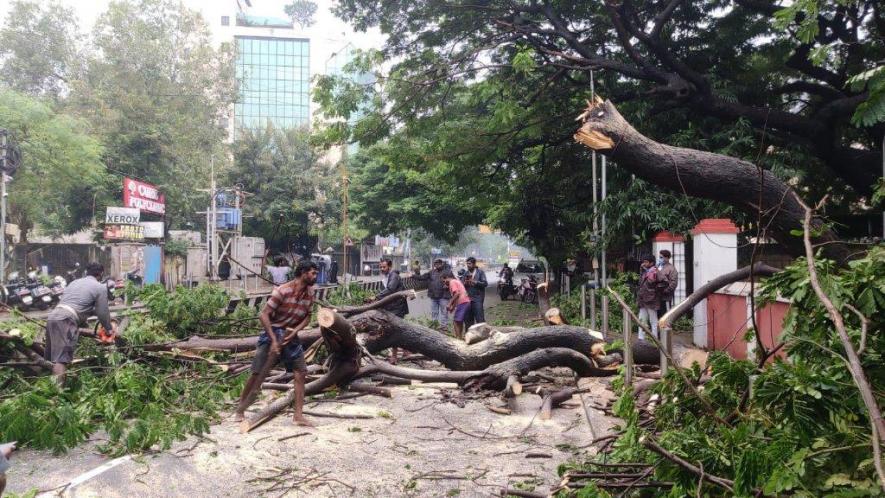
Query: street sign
[(122, 216), (143, 196)]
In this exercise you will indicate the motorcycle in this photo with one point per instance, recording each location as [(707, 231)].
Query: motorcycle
[(16, 293), (41, 294), (74, 274), (57, 288), (506, 289), (528, 289)]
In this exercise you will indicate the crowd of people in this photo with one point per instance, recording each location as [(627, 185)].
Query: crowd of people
[(657, 285)]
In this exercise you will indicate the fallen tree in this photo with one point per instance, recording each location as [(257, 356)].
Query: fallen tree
[(382, 330), (702, 174)]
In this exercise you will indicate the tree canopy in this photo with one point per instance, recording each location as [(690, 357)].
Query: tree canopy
[(483, 94)]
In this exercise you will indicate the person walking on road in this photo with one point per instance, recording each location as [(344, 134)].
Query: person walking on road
[(439, 294), (649, 295), (392, 284), (82, 298), (475, 282), (287, 311), (459, 303)]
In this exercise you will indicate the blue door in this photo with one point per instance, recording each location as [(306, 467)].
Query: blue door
[(153, 264)]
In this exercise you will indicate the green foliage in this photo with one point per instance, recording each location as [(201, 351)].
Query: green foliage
[(176, 248), (353, 295), (871, 111), (139, 406), (804, 430), (570, 305), (194, 311), (54, 146), (294, 194)]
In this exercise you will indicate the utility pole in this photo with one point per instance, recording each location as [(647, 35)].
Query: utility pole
[(4, 157), (345, 182)]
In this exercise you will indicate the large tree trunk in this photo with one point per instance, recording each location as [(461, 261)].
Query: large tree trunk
[(700, 174), (383, 330), (233, 345)]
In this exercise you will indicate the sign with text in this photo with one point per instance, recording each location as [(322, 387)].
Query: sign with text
[(143, 196), (152, 229), (122, 216), (124, 232)]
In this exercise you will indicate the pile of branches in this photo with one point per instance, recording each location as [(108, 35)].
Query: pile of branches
[(793, 425)]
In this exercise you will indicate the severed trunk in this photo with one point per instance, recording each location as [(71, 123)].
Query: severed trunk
[(701, 174), (383, 330)]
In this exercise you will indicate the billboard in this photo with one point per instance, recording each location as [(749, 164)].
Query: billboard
[(152, 229), (122, 216), (143, 196), (124, 232)]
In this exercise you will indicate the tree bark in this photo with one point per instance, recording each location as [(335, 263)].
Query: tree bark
[(383, 330), (704, 291), (233, 345), (700, 174)]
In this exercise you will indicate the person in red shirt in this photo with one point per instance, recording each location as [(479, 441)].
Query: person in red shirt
[(286, 312), (459, 303)]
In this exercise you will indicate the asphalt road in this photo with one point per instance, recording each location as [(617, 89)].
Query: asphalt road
[(420, 307)]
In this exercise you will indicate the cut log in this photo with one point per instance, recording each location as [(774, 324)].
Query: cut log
[(513, 388), (234, 345), (702, 174), (358, 387), (552, 399), (482, 331), (381, 330)]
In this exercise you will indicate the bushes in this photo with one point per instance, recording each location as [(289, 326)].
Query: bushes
[(804, 430), (195, 311)]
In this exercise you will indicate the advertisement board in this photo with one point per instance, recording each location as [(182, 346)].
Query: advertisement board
[(122, 216), (143, 196), (152, 229), (124, 232)]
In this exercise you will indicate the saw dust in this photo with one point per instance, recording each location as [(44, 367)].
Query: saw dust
[(427, 440)]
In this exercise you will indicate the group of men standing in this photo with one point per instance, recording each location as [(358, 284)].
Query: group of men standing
[(464, 297), (657, 285)]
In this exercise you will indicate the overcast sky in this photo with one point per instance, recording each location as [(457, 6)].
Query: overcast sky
[(327, 34)]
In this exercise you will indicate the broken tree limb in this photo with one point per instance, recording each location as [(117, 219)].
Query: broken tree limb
[(552, 399), (382, 330), (513, 388), (660, 450), (354, 310), (234, 345), (359, 387), (704, 291), (700, 174)]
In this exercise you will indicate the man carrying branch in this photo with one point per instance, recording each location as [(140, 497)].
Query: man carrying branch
[(286, 312)]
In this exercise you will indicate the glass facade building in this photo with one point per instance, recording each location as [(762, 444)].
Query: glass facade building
[(273, 75)]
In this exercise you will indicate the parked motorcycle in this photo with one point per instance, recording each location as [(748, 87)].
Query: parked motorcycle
[(57, 288), (41, 294), (16, 293), (528, 289), (506, 288)]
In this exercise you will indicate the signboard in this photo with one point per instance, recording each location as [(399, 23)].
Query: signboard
[(143, 196), (124, 232), (152, 229), (122, 216)]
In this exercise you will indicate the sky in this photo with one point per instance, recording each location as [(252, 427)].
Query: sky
[(327, 34)]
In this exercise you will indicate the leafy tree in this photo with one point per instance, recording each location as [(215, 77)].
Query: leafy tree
[(39, 47), (301, 12), (483, 96), (61, 178), (158, 95), (292, 193)]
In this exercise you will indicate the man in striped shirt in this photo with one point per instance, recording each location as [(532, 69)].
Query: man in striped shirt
[(286, 312)]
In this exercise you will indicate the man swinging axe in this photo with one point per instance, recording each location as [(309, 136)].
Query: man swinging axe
[(286, 312)]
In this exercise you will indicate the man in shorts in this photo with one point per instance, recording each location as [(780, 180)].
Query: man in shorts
[(459, 303), (82, 298), (286, 312)]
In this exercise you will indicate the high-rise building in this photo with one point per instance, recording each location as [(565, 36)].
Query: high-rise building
[(272, 66)]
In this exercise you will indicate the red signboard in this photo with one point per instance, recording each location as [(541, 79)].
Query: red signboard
[(124, 232), (143, 196)]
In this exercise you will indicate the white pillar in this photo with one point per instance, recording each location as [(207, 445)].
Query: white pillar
[(715, 254)]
